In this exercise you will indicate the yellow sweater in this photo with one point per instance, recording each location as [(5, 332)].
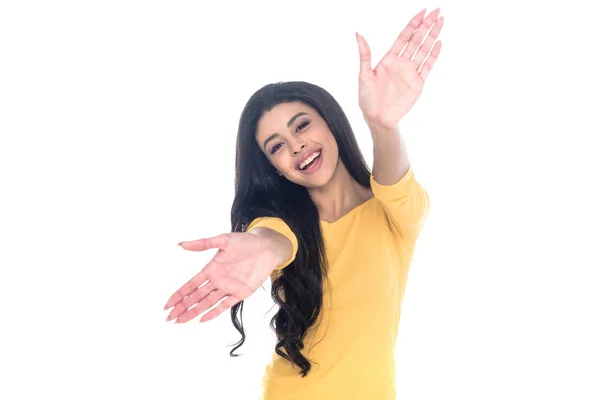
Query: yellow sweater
[(354, 339)]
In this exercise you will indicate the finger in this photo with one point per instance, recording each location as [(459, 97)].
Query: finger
[(426, 46), (406, 33), (426, 69), (223, 306), (207, 302), (188, 287), (216, 242), (365, 58), (196, 296), (419, 34)]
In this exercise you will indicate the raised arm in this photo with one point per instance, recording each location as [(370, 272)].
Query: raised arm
[(406, 202), (386, 94)]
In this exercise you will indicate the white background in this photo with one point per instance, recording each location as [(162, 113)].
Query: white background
[(118, 123)]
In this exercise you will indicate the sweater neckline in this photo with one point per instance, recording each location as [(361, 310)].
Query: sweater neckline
[(343, 217)]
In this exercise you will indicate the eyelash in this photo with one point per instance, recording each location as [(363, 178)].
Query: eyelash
[(301, 124)]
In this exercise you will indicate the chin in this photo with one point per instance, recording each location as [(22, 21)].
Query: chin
[(318, 179)]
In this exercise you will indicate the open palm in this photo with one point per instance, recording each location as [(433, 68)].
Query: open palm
[(389, 91), (242, 264)]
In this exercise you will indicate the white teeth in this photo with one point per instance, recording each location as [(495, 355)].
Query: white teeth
[(309, 159)]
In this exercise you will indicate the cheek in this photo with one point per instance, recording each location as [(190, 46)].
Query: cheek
[(333, 152), (280, 163)]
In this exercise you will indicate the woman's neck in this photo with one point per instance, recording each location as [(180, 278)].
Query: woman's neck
[(339, 196)]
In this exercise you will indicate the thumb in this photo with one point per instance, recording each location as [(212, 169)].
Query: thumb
[(215, 242), (365, 57)]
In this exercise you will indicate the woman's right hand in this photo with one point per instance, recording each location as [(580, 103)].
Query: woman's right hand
[(240, 267)]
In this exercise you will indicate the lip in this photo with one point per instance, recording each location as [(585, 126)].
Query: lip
[(315, 167), (305, 156)]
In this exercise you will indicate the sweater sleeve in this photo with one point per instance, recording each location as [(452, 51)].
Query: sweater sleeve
[(279, 226), (406, 202)]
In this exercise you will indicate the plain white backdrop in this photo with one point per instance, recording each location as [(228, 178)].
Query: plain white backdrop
[(118, 122)]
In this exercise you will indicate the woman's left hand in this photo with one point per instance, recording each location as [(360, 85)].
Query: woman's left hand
[(389, 91)]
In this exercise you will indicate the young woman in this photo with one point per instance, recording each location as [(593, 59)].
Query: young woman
[(336, 239)]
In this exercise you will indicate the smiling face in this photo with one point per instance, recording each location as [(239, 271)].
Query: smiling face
[(291, 133)]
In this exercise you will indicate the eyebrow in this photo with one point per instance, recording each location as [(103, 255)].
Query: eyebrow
[(275, 135)]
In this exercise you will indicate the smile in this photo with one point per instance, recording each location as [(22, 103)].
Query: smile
[(312, 163)]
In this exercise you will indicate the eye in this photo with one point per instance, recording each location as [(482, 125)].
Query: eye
[(301, 125), (275, 148)]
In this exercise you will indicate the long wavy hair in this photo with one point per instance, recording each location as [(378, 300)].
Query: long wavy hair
[(261, 192)]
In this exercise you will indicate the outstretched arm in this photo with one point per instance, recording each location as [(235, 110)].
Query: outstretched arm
[(243, 262), (281, 245), (280, 236)]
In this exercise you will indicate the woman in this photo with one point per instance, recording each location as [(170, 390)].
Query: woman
[(336, 239)]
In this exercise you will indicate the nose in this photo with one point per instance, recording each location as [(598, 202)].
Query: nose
[(300, 149)]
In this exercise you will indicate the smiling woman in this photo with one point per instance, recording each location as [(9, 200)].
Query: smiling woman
[(335, 238), (298, 141)]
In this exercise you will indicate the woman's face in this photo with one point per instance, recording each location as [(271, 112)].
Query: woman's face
[(293, 132)]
